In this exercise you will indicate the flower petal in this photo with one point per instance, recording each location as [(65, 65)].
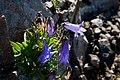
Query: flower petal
[(64, 52), (50, 26), (46, 54), (73, 27)]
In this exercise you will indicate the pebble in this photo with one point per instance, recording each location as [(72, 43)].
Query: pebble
[(97, 30), (97, 22), (94, 60)]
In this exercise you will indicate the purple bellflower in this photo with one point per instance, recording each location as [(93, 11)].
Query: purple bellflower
[(50, 26), (46, 54), (73, 27), (64, 52)]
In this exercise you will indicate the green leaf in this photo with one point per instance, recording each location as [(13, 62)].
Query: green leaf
[(55, 3), (14, 50), (20, 45), (15, 45), (24, 44), (52, 41)]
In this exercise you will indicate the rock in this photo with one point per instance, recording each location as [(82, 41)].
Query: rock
[(115, 30), (108, 29), (103, 29), (117, 59), (82, 77), (117, 78), (107, 75), (87, 24), (118, 19), (94, 60), (6, 58), (108, 36), (117, 24), (97, 30), (19, 14), (75, 73), (97, 22), (22, 77), (96, 50), (48, 4), (80, 47), (118, 45), (102, 36), (64, 15), (87, 67), (105, 48), (113, 44), (110, 76), (89, 34), (118, 13), (98, 6), (56, 18)]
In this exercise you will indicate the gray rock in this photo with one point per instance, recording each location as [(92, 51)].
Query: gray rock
[(20, 13), (80, 47), (108, 36), (82, 77), (22, 77), (6, 57), (103, 29), (118, 13), (108, 29), (5, 48), (94, 60), (98, 6), (87, 67), (89, 34), (97, 30), (105, 49), (102, 36), (115, 29), (117, 59), (97, 22), (117, 78)]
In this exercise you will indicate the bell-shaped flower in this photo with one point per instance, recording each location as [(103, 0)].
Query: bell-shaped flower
[(64, 52), (50, 26), (73, 27), (46, 54)]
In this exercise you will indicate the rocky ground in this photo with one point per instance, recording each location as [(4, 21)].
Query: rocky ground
[(103, 54), (102, 59)]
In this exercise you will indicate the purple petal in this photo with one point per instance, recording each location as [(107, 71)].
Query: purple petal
[(46, 54), (64, 52), (50, 26), (73, 27)]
